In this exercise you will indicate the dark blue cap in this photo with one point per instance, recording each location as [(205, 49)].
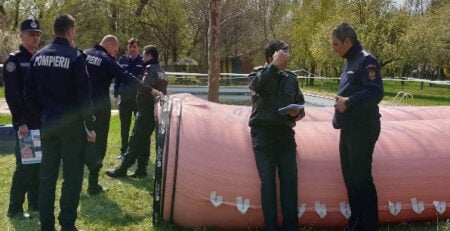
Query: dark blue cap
[(30, 25)]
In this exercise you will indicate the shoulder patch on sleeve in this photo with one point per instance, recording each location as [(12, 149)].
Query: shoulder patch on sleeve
[(10, 66), (371, 71)]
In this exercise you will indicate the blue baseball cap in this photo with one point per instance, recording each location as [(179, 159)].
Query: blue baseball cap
[(30, 25)]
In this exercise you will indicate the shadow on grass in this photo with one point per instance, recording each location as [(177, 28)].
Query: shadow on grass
[(100, 209), (31, 224), (144, 183), (120, 206)]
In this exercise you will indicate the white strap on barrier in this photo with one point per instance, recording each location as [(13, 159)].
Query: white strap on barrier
[(345, 209), (417, 206), (394, 208), (321, 209), (301, 210), (242, 204), (440, 206), (215, 200)]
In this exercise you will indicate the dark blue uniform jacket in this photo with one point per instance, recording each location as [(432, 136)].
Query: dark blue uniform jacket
[(57, 88), (134, 66), (14, 71), (154, 77), (272, 90), (361, 82), (102, 68)]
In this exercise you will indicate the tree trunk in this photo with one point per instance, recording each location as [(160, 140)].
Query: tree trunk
[(213, 50)]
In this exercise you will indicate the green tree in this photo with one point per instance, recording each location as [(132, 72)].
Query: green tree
[(306, 37), (427, 41)]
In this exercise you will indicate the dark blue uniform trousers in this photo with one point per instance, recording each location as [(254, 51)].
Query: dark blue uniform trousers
[(127, 108), (269, 157), (95, 152), (139, 144), (25, 180), (356, 148), (61, 142)]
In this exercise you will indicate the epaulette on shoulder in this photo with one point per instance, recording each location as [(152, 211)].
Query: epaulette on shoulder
[(81, 53), (369, 56), (366, 53), (258, 68), (14, 53), (255, 71)]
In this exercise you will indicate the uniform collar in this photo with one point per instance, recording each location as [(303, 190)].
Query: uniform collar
[(62, 41), (153, 61), (99, 47), (353, 50), (25, 51), (137, 57), (267, 65)]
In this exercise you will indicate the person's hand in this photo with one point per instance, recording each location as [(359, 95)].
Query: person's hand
[(280, 59), (297, 113), (91, 136), (293, 112), (117, 100), (340, 103), (23, 131), (156, 93)]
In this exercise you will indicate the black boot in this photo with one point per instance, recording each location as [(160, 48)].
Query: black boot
[(18, 214), (121, 171), (116, 172), (139, 173), (141, 170), (93, 186)]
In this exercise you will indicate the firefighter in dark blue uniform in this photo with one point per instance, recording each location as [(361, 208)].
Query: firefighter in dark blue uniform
[(358, 117), (57, 90), (103, 68), (272, 135), (139, 143), (125, 94), (26, 176)]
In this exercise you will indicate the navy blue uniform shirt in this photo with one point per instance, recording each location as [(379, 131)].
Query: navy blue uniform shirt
[(134, 66), (361, 82), (14, 71), (57, 88)]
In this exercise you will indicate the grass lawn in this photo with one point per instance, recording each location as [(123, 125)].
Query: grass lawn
[(127, 206), (426, 96)]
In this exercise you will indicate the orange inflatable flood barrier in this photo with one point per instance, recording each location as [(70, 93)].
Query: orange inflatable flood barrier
[(206, 174)]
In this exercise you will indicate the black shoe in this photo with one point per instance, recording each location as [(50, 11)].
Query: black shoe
[(116, 172), (138, 174), (97, 189), (19, 215)]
